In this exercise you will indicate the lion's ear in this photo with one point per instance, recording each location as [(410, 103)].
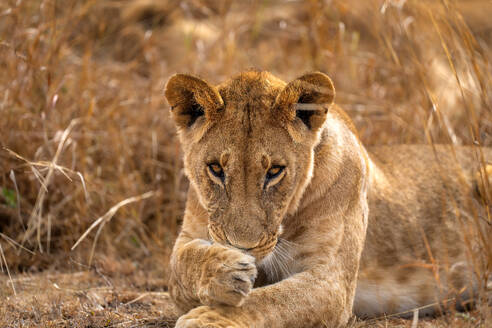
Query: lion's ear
[(307, 98), (191, 98)]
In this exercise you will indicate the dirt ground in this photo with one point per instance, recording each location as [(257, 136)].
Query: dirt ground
[(85, 299), (97, 299), (88, 151)]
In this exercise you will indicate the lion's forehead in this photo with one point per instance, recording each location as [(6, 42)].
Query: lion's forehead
[(253, 88), (238, 142), (248, 130), (247, 134)]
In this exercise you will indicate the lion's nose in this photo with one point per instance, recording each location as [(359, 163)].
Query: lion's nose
[(242, 244), (241, 248)]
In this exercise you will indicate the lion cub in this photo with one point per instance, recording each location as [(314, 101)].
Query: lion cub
[(291, 222)]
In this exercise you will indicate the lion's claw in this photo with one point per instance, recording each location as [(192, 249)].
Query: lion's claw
[(228, 277)]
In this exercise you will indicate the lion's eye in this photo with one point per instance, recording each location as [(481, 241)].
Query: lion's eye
[(274, 172), (216, 170)]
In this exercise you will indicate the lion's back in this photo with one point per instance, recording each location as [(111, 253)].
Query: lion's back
[(421, 199), (418, 194)]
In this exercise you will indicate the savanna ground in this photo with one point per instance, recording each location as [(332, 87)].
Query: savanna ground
[(86, 136)]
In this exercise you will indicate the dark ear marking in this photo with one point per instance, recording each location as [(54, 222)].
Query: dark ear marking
[(305, 116), (191, 98), (194, 112), (307, 98)]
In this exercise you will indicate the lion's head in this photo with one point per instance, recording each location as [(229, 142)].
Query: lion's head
[(249, 149)]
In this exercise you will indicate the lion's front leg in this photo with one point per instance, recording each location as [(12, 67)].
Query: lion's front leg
[(210, 274), (307, 299), (322, 294)]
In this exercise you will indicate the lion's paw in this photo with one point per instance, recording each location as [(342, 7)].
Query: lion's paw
[(228, 277), (205, 317)]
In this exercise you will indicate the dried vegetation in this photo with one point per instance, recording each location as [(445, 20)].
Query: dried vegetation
[(85, 132)]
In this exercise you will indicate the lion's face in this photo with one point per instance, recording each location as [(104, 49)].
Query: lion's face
[(248, 147), (246, 179)]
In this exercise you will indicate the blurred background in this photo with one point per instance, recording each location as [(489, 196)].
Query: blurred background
[(86, 135)]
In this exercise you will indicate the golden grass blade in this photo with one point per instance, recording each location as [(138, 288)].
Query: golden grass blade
[(7, 268), (107, 216), (400, 314), (15, 244), (35, 219), (96, 238), (82, 180), (415, 320)]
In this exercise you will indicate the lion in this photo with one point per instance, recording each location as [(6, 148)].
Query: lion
[(291, 222)]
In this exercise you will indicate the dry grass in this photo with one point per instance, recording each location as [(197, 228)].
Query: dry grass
[(84, 127)]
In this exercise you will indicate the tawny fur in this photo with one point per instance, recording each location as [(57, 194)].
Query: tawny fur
[(341, 230)]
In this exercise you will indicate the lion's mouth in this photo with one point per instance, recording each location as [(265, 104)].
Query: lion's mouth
[(262, 251), (266, 246)]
